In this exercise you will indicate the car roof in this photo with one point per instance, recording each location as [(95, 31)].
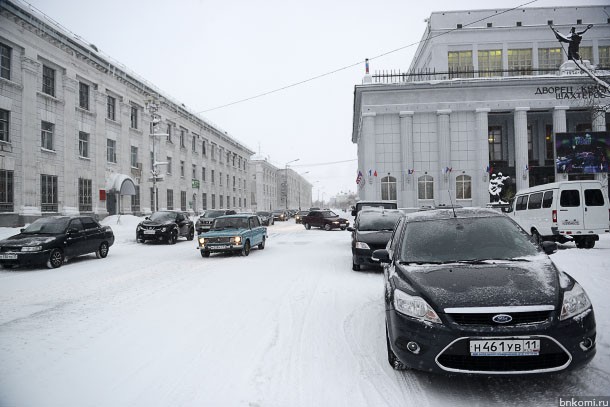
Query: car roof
[(239, 215), (460, 213)]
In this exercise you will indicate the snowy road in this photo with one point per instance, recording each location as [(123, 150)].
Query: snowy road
[(292, 325)]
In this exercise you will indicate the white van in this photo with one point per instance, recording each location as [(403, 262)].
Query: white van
[(564, 211)]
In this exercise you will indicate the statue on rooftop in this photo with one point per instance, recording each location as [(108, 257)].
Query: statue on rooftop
[(573, 40)]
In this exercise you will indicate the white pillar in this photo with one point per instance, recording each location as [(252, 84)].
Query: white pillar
[(559, 126), (598, 120), (443, 182), (407, 161), (480, 178), (521, 158), (368, 139)]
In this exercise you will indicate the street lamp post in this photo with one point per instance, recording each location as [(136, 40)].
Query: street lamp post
[(152, 106), (286, 180)]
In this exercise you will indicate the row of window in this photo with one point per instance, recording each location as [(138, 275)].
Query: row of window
[(425, 187), (221, 202), (84, 94), (520, 61)]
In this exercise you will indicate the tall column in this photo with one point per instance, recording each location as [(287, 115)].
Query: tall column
[(481, 177), (598, 120), (407, 161), (70, 187), (97, 145), (30, 185), (369, 155), (444, 157), (521, 158), (559, 126)]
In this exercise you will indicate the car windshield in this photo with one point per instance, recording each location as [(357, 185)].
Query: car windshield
[(378, 220), (263, 213), (48, 225), (303, 213), (230, 223), (212, 214), (469, 239), (163, 216), (329, 214)]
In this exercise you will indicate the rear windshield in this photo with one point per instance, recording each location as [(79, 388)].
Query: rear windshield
[(594, 197), (263, 213), (455, 239), (378, 221), (570, 198)]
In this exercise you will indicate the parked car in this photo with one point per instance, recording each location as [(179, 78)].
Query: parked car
[(470, 292), (376, 204), (372, 230), (280, 214), (298, 217), (266, 218), (233, 233), (204, 222), (52, 240), (325, 219), (165, 226)]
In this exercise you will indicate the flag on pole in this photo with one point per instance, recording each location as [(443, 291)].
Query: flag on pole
[(375, 174), (359, 177)]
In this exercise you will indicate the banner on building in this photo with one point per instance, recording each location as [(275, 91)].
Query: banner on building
[(582, 152)]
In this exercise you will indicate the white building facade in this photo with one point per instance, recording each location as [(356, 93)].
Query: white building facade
[(277, 188), (479, 99), (75, 134)]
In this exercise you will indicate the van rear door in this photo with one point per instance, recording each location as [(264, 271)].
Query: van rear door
[(596, 208), (571, 208)]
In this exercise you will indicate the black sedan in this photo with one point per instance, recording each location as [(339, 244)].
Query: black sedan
[(266, 218), (467, 291), (54, 239), (165, 226), (372, 230)]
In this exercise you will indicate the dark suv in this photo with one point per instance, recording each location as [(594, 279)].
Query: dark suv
[(324, 219), (165, 226), (204, 223)]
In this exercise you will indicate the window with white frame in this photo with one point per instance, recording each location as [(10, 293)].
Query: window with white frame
[(494, 138), (48, 193), (183, 200), (549, 58), (203, 174), (85, 201), (4, 126), (48, 80), (111, 151), (460, 64), (604, 57), (46, 135), (134, 117), (5, 61), (83, 95), (463, 187), (425, 187), (194, 144), (110, 107), (520, 61), (134, 156), (169, 165), (182, 135), (7, 197), (170, 199), (83, 144), (182, 168), (490, 63), (388, 188)]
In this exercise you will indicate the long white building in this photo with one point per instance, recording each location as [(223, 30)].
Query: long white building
[(75, 134), (278, 188), (484, 95)]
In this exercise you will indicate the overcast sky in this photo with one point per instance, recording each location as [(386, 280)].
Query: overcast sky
[(208, 53)]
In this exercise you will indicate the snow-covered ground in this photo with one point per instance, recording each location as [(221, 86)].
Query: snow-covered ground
[(292, 325)]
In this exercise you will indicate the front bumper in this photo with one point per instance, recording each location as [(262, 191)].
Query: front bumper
[(19, 258), (444, 348), (219, 248), (158, 235), (362, 257)]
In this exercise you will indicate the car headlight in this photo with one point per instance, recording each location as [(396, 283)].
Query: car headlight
[(236, 239), (163, 229), (362, 245), (336, 222), (138, 228), (575, 301), (31, 248), (201, 241), (415, 307)]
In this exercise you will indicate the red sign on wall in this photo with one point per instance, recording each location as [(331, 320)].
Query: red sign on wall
[(102, 194)]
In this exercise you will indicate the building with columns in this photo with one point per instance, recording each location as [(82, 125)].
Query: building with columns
[(277, 188), (485, 94), (75, 133)]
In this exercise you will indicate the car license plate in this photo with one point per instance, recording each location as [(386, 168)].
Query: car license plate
[(8, 257), (505, 347), (150, 232), (221, 246)]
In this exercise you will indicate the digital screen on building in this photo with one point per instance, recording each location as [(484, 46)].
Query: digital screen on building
[(585, 152)]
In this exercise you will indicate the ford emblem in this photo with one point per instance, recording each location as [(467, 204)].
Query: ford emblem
[(502, 318)]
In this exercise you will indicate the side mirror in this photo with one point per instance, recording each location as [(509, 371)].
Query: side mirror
[(381, 256), (72, 231), (350, 229), (549, 247), (147, 218), (353, 212)]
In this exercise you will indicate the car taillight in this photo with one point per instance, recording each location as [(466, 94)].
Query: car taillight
[(554, 216)]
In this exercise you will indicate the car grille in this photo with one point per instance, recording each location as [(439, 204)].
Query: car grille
[(150, 227), (519, 318), (457, 357), (218, 240), (4, 249), (377, 246)]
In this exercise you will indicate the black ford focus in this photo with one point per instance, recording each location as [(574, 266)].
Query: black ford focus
[(469, 292)]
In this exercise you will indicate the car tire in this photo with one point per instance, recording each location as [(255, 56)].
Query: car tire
[(245, 251), (191, 234), (580, 243), (355, 267), (327, 227), (392, 358), (56, 259), (536, 237), (343, 227), (139, 240), (173, 237), (589, 243), (205, 253), (261, 245), (102, 251), (307, 226)]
